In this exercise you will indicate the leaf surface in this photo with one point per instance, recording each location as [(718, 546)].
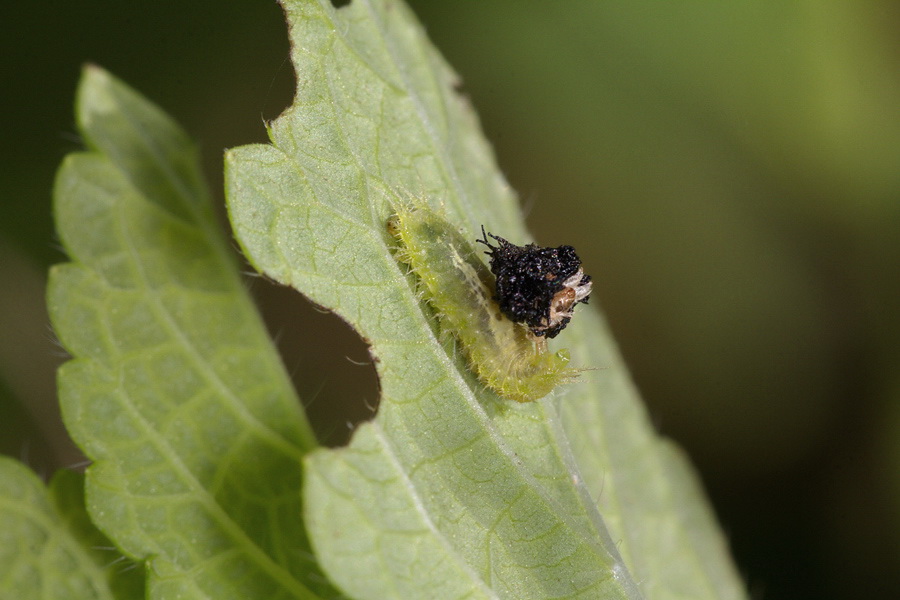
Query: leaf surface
[(175, 391), (450, 492), (48, 547)]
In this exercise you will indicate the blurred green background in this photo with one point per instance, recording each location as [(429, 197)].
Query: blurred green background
[(729, 172)]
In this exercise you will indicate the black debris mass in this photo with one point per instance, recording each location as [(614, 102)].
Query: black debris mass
[(529, 278)]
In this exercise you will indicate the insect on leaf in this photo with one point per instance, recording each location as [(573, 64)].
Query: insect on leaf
[(504, 355), (451, 491)]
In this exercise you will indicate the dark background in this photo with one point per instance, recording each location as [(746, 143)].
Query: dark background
[(730, 175)]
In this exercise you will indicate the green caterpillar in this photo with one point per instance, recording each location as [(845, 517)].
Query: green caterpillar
[(504, 355)]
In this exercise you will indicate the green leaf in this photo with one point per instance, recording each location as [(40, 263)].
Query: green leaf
[(450, 491), (645, 489), (175, 391), (48, 547)]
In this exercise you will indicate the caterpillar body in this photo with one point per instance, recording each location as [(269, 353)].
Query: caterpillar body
[(506, 356)]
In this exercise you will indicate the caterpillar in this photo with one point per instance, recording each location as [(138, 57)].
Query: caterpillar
[(509, 357)]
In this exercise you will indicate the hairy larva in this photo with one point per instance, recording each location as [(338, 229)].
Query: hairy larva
[(506, 356)]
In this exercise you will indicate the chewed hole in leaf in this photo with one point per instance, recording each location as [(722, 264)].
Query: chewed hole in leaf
[(328, 361)]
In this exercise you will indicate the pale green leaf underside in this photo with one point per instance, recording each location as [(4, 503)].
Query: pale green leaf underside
[(175, 391), (48, 548), (450, 492)]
